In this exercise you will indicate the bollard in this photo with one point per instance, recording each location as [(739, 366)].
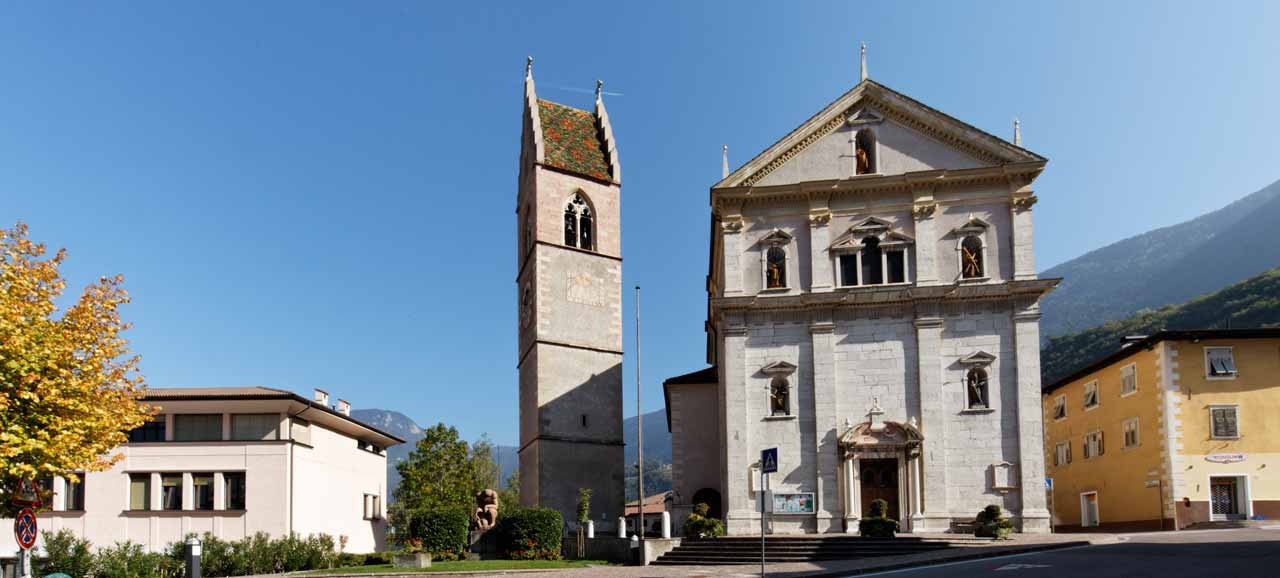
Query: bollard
[(666, 525), (193, 557), (591, 529), (622, 527)]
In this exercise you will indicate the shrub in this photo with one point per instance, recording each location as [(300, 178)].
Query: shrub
[(700, 525), (877, 523), (377, 558), (991, 523), (348, 560), (260, 554), (128, 560), (441, 531), (530, 534), (66, 553)]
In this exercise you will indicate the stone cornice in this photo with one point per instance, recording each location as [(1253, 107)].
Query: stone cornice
[(878, 297)]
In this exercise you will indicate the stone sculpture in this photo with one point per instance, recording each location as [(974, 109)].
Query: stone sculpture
[(486, 512)]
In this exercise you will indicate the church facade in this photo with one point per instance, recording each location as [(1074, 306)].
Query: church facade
[(569, 292), (873, 314)]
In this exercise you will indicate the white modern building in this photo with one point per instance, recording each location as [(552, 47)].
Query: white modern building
[(232, 462), (872, 314)]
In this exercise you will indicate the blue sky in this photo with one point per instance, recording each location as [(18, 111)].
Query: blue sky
[(322, 194)]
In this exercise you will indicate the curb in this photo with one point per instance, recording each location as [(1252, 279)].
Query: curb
[(991, 553)]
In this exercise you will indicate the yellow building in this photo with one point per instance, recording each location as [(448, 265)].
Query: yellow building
[(1173, 429)]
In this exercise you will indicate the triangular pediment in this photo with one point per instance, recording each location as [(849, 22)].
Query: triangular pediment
[(972, 225), (824, 138), (977, 358), (776, 236), (871, 227), (778, 368)]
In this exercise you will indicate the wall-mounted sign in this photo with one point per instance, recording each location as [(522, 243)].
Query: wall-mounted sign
[(793, 503), (1224, 458)]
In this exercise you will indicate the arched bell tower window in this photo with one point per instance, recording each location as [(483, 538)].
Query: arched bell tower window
[(579, 223), (976, 389), (972, 258)]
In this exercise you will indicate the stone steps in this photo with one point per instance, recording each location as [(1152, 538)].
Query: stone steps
[(746, 549)]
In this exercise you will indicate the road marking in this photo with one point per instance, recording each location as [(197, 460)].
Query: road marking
[(959, 562), (1021, 566)]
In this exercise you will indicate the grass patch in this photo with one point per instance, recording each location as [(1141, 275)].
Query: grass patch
[(467, 566)]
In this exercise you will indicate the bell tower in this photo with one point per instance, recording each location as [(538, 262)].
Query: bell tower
[(569, 291)]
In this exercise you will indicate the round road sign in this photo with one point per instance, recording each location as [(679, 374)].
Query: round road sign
[(24, 528)]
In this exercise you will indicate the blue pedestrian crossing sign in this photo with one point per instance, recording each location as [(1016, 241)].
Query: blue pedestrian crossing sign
[(769, 460)]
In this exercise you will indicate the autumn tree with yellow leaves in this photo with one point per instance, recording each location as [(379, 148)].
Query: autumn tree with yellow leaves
[(69, 386)]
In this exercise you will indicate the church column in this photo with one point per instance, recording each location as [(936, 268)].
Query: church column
[(740, 501), (1024, 257), (917, 495), (936, 517), (731, 223), (926, 247), (824, 423), (1026, 341), (853, 489), (819, 241)]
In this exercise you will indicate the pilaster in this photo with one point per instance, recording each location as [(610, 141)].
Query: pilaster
[(1024, 258), (819, 241), (923, 208), (935, 516), (1026, 342), (740, 503), (731, 259), (824, 391)]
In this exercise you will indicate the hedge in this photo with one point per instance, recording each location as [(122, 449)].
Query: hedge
[(443, 531), (530, 534), (257, 554)]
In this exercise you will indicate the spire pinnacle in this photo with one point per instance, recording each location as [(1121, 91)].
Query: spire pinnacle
[(528, 67), (864, 60), (724, 162), (1017, 132), (599, 88)]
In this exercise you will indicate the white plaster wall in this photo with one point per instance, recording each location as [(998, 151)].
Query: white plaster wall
[(695, 431), (330, 480)]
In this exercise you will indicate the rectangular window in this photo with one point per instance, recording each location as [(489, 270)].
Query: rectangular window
[(1219, 363), (75, 494), (152, 431), (1062, 454), (1128, 379), (1225, 422), (1060, 407), (848, 270), (202, 491), (1131, 433), (197, 427), (1093, 446), (255, 426), (372, 507), (139, 491), (1091, 394), (234, 491), (171, 492), (897, 261)]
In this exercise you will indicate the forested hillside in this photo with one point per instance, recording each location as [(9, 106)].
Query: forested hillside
[(1248, 304)]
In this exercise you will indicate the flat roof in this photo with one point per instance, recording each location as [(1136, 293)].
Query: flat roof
[(160, 394), (1132, 347)]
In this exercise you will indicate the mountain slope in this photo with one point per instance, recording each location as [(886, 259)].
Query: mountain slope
[(1165, 266), (402, 426), (657, 440), (1252, 303)]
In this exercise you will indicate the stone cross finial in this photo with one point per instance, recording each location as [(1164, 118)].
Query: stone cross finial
[(1017, 132), (724, 162), (864, 60)]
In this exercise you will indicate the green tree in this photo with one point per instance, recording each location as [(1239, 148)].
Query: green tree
[(69, 387), (510, 495), (485, 471), (439, 473)]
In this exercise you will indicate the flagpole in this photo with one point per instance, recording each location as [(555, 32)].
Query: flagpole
[(639, 432)]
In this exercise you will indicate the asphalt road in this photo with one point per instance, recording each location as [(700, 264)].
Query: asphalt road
[(1244, 552)]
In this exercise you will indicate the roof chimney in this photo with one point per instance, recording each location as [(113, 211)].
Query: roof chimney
[(344, 407), (322, 397), (1128, 340)]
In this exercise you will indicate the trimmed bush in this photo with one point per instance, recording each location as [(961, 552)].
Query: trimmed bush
[(991, 523), (877, 523), (530, 534), (377, 558), (700, 525), (66, 553), (129, 560), (442, 532)]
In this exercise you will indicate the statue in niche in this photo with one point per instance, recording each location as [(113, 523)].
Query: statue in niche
[(971, 257), (775, 277), (778, 394), (863, 161), (486, 512)]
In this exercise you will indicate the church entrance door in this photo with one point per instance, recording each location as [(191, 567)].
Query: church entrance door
[(879, 480)]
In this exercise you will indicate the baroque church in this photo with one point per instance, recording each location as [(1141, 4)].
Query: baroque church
[(873, 313), (569, 291)]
